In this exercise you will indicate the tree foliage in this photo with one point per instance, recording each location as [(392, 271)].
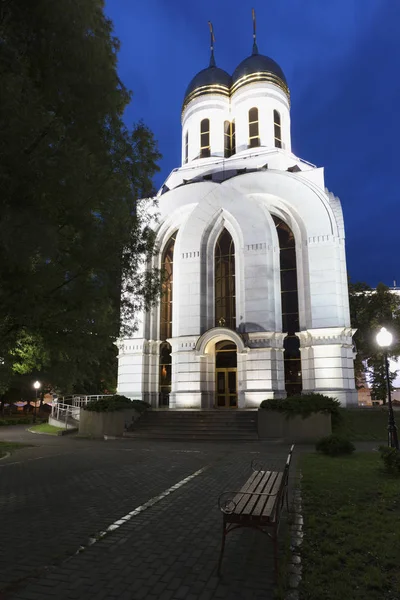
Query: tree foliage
[(72, 224), (370, 310)]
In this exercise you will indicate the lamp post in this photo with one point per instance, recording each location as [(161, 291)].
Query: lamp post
[(384, 339), (36, 385)]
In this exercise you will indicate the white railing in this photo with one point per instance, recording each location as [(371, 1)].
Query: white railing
[(80, 399), (70, 406), (62, 412)]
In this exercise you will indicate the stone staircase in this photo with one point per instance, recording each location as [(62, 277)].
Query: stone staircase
[(196, 425)]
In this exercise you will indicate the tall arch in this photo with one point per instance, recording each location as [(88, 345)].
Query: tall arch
[(165, 358), (224, 281), (290, 307)]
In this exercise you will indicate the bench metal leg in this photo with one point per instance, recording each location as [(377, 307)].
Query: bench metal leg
[(276, 550), (222, 548)]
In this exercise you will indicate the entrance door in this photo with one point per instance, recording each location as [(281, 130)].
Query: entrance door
[(226, 388), (225, 375)]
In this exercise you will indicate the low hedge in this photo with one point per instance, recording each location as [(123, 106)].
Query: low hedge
[(304, 406), (116, 402), (16, 421)]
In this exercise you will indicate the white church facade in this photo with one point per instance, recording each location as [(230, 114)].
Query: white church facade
[(252, 246)]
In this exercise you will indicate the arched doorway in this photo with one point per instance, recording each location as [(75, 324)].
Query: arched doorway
[(165, 374), (226, 395)]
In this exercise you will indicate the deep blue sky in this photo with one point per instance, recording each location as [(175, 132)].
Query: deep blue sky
[(342, 63)]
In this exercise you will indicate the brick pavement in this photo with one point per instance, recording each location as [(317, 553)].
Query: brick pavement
[(49, 507)]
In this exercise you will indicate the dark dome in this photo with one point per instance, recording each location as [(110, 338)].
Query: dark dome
[(262, 68), (212, 80)]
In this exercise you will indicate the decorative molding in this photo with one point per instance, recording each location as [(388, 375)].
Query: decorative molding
[(217, 334), (264, 340), (194, 254), (342, 336)]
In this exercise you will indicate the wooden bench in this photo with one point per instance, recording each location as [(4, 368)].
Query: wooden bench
[(258, 505)]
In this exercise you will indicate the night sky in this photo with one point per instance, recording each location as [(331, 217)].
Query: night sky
[(342, 63)]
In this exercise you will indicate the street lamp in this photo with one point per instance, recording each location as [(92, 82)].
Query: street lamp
[(384, 339), (36, 385)]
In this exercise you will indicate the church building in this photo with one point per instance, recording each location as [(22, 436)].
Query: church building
[(252, 247)]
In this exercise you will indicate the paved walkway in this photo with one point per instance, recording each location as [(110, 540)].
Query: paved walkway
[(56, 496)]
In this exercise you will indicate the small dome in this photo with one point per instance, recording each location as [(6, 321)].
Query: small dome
[(212, 80), (258, 67)]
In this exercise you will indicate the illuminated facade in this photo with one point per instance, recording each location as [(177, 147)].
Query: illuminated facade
[(252, 247)]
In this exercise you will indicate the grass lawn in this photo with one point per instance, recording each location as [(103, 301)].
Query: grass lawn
[(45, 428), (10, 447), (366, 424), (351, 547)]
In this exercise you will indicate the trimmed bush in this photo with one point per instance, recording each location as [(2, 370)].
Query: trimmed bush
[(334, 445), (391, 459), (305, 405), (116, 402)]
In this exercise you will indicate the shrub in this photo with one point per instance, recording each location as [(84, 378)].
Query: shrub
[(334, 445), (116, 402), (17, 421), (391, 459), (305, 405)]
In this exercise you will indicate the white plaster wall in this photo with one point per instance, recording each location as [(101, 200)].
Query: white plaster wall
[(267, 98), (213, 107), (244, 205)]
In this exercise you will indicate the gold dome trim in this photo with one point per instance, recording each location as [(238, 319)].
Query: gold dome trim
[(215, 88), (222, 90), (261, 76)]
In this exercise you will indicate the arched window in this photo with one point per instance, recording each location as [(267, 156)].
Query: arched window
[(224, 269), (186, 147), (229, 139), (277, 130), (205, 138), (254, 134), (290, 307), (167, 266)]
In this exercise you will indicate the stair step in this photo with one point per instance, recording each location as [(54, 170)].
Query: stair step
[(196, 425)]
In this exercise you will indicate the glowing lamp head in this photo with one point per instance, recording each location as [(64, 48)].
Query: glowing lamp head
[(384, 338), (36, 385)]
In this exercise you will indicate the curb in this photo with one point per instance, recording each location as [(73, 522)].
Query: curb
[(7, 454), (55, 434)]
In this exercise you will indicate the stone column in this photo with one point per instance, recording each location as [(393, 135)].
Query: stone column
[(327, 363), (264, 368)]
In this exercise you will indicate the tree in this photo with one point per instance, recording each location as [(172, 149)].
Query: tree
[(72, 224), (370, 310)]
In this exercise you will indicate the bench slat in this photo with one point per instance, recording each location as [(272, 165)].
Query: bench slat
[(250, 486), (262, 488), (266, 505)]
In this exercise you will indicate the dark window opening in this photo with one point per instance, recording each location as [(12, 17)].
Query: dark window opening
[(277, 130), (186, 147), (290, 307), (225, 293), (167, 267), (254, 133), (205, 138), (165, 373)]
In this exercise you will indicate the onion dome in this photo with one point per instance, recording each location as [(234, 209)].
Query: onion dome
[(258, 67), (212, 80)]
